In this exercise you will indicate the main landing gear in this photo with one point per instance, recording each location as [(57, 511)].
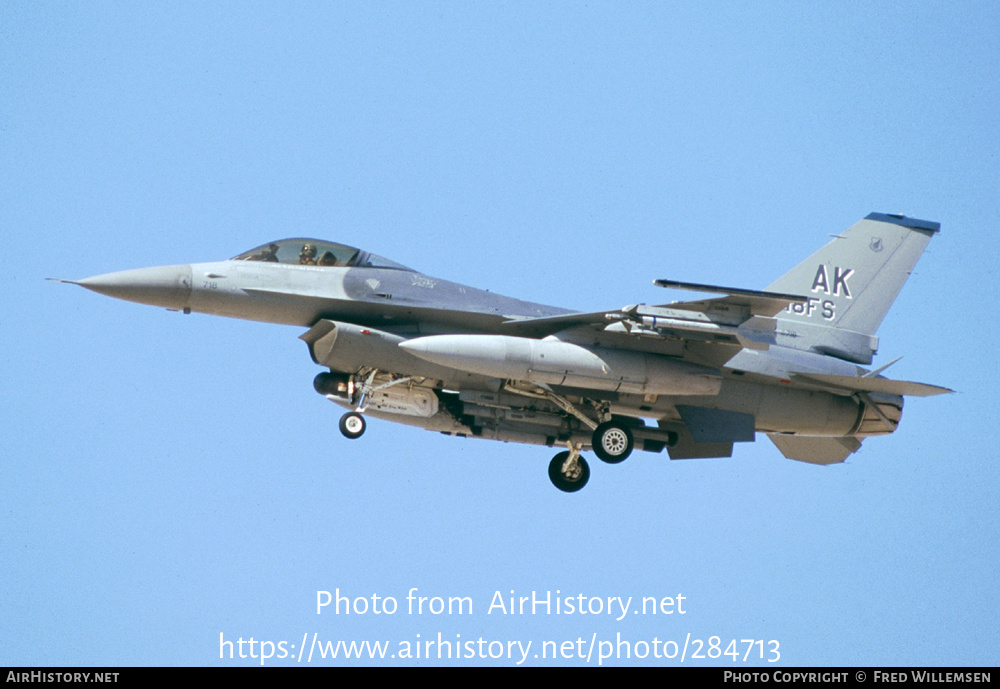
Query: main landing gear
[(612, 442), (611, 439), (568, 471)]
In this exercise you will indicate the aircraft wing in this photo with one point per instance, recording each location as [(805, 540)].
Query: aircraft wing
[(737, 307), (549, 325), (751, 302), (713, 330)]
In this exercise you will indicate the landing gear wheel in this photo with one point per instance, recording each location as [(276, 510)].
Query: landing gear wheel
[(574, 478), (352, 425), (612, 442)]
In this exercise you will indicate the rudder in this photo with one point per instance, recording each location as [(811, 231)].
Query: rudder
[(853, 280)]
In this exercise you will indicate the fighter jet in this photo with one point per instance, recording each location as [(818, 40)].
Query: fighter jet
[(691, 377)]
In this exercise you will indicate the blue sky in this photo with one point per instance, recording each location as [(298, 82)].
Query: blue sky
[(170, 478)]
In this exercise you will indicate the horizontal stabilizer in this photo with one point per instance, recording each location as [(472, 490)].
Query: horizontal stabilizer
[(852, 384), (755, 302), (815, 450)]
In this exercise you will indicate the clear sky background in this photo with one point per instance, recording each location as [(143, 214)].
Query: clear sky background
[(167, 478)]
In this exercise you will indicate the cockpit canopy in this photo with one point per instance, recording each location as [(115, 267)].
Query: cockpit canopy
[(315, 252)]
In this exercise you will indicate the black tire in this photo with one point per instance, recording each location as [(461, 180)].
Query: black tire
[(612, 442), (563, 482), (352, 425)]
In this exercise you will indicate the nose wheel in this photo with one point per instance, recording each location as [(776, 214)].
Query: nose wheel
[(352, 425)]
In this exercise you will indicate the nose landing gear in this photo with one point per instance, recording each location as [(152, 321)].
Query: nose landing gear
[(352, 425)]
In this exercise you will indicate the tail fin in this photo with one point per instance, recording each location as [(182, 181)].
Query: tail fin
[(852, 281)]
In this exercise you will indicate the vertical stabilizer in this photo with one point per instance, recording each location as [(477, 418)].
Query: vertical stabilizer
[(852, 281)]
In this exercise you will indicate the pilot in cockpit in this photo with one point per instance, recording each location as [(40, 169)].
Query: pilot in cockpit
[(307, 256), (270, 254)]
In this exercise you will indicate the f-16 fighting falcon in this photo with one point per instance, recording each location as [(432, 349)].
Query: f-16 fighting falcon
[(691, 377)]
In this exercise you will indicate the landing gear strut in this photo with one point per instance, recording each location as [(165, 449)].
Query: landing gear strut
[(359, 391), (568, 471)]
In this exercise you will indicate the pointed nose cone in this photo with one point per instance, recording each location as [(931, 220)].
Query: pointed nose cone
[(167, 286)]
